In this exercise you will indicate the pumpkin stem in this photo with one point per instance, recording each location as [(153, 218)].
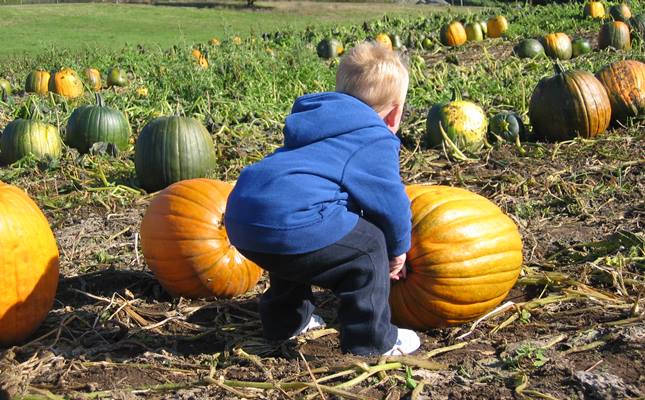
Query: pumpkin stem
[(456, 153), (34, 110), (99, 100), (456, 94), (559, 68)]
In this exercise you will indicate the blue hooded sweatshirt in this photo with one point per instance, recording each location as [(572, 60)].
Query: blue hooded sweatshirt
[(339, 161)]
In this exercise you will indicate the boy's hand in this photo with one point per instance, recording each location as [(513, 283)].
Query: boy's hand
[(397, 267)]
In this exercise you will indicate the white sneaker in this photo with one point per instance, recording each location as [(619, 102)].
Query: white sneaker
[(315, 322), (407, 341)]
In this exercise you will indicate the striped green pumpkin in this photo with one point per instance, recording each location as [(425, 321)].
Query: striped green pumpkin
[(97, 123), (22, 137), (614, 34), (172, 149)]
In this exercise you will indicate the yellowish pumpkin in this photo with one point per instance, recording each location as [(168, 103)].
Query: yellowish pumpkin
[(93, 77), (384, 40), (594, 9), (37, 82), (202, 62), (496, 26)]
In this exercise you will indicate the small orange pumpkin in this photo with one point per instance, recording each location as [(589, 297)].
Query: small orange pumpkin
[(66, 83), (384, 40), (453, 34), (28, 266), (93, 77), (496, 26), (558, 45), (141, 91), (185, 242), (465, 257), (202, 62)]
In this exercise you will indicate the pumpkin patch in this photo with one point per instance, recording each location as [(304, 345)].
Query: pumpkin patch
[(524, 277)]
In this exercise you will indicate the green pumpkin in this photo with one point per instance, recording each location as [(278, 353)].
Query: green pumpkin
[(117, 77), (5, 87), (529, 48), (620, 12), (171, 149), (329, 48), (569, 104), (463, 122), (474, 32), (427, 44), (97, 123), (22, 137), (506, 127), (580, 46), (614, 34), (396, 41), (637, 24)]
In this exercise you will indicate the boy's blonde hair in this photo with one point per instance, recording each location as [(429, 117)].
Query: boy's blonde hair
[(374, 74)]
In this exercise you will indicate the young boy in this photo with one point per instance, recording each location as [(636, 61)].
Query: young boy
[(329, 208)]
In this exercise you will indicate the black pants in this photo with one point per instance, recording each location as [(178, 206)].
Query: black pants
[(356, 269)]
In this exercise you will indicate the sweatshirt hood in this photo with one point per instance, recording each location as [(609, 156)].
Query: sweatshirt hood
[(324, 115)]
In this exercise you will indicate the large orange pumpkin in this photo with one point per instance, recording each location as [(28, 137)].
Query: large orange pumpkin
[(186, 246), (465, 257), (625, 84), (28, 266)]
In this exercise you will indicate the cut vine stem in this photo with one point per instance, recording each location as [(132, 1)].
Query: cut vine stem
[(456, 153)]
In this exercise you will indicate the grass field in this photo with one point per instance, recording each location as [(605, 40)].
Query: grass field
[(32, 29)]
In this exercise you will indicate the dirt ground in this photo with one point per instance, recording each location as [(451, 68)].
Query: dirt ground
[(574, 330)]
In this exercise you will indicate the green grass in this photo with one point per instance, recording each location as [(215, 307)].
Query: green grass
[(33, 29)]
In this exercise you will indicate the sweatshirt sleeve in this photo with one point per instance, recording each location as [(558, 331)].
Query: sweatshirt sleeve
[(372, 179)]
